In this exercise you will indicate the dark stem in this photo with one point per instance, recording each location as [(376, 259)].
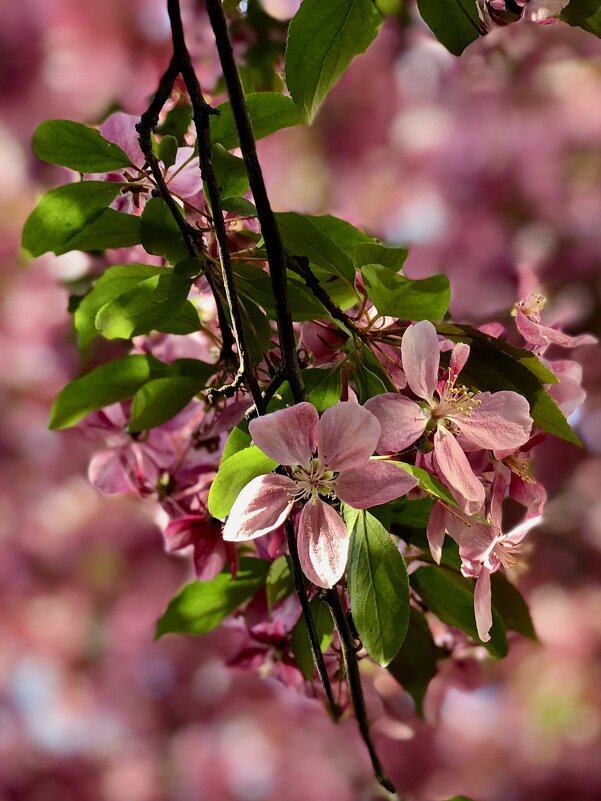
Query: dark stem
[(300, 265), (351, 666), (299, 586), (148, 122), (201, 114), (276, 253)]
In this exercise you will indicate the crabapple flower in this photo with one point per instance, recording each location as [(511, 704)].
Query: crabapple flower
[(528, 322), (327, 458), (498, 420), (204, 535)]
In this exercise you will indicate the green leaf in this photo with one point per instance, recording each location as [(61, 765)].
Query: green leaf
[(269, 112), (257, 329), (111, 229), (115, 281), (455, 23), (302, 236), (254, 283), (428, 483), (300, 643), (280, 581), (110, 383), (584, 14), (377, 253), (167, 151), (451, 598), (64, 212), (408, 518), (415, 664), (152, 305), (161, 399), (323, 385), (177, 122), (202, 605), (509, 603), (238, 439), (160, 232), (494, 365), (346, 236), (233, 475), (71, 144), (230, 172), (378, 586), (323, 39), (239, 205), (396, 296)]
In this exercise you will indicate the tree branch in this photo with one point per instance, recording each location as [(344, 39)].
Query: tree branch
[(300, 265), (276, 253), (351, 666), (202, 112)]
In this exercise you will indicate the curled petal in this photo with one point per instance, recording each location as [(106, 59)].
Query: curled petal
[(538, 334), (420, 352), (288, 436), (459, 356), (482, 605), (262, 505), (402, 421), (183, 532), (348, 436), (372, 484), (454, 466), (120, 129), (436, 530), (323, 542), (500, 420)]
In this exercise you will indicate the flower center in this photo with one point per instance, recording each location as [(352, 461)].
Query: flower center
[(313, 480), (507, 555), (454, 400), (533, 306)]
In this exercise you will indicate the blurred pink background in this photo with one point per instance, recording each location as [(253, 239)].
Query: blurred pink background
[(489, 165)]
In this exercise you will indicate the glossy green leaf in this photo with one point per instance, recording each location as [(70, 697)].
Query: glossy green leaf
[(239, 205), (397, 296), (455, 23), (64, 212), (377, 253), (161, 399), (255, 284), (323, 385), (238, 439), (510, 604), (230, 172), (116, 381), (233, 475), (115, 281), (494, 365), (301, 646), (202, 605), (167, 150), (160, 233), (378, 586), (303, 237), (177, 123), (269, 112), (323, 39), (346, 236), (71, 144), (415, 664), (112, 229), (149, 306), (451, 598), (280, 581), (584, 14)]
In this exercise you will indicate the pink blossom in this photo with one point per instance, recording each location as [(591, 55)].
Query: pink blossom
[(210, 551), (528, 322), (484, 420), (326, 458)]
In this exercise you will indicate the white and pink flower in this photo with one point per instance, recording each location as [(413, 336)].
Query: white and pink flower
[(326, 459)]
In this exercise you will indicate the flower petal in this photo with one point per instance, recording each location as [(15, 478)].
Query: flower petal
[(347, 436), (436, 530), (402, 421), (323, 541), (538, 334), (372, 484), (420, 352), (500, 420), (482, 605), (459, 356), (288, 436), (120, 129), (454, 466), (262, 505)]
